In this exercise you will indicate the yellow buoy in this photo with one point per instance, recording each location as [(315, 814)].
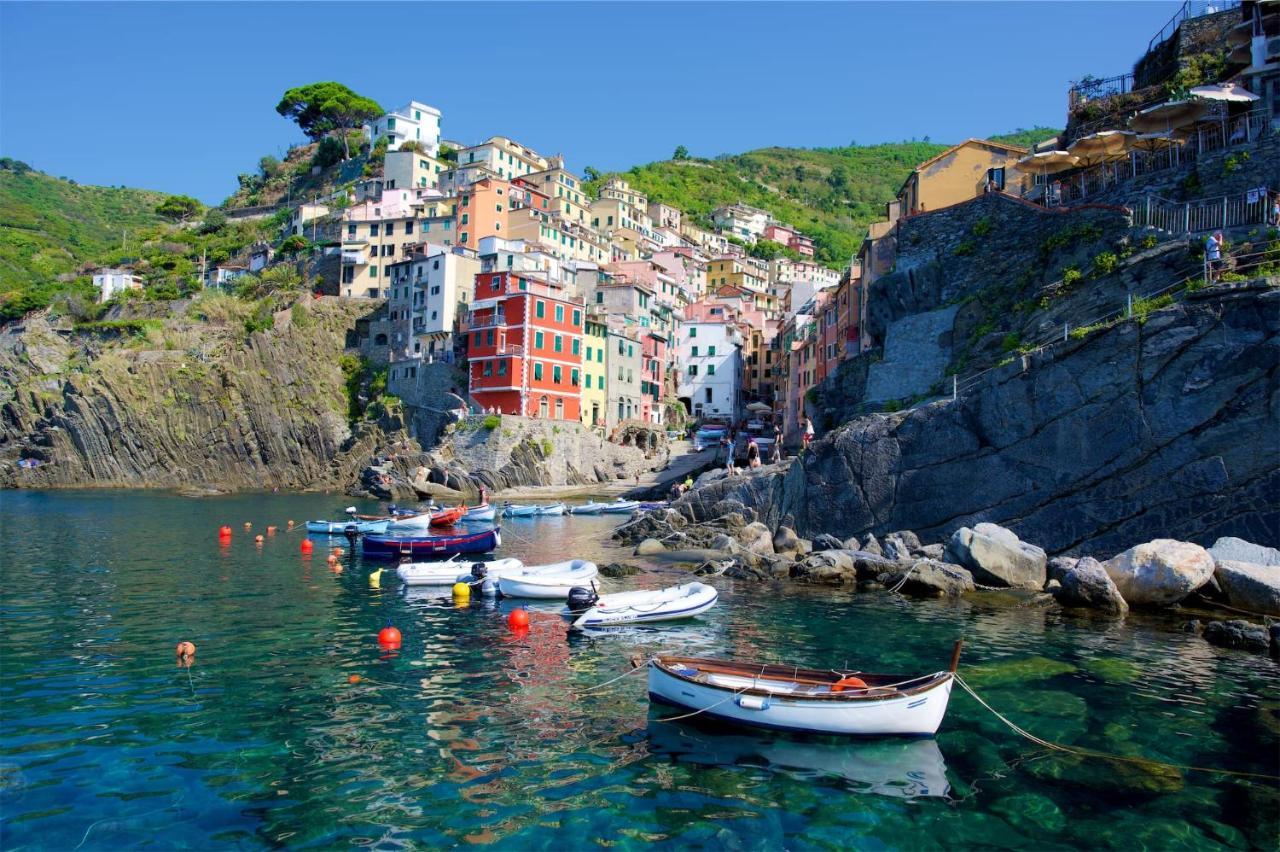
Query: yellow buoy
[(461, 590)]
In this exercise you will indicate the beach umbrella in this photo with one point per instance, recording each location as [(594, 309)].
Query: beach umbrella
[(1102, 146), (759, 406), (1169, 115), (1229, 92)]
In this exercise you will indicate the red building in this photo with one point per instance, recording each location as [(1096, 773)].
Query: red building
[(653, 375), (525, 347)]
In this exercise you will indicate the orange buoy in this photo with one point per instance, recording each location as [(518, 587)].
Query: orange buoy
[(306, 546), (848, 682), (185, 650), (389, 637), (271, 530), (353, 678), (518, 618)]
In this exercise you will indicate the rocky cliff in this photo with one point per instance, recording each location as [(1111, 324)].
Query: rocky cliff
[(1163, 428), (204, 394)]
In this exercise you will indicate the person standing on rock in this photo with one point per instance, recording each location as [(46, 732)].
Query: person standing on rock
[(807, 425), (753, 453), (776, 455)]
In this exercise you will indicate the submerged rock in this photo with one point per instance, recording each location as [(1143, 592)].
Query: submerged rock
[(1160, 572), (650, 547), (997, 556), (1255, 587), (618, 569), (1231, 549), (1237, 634), (1086, 584), (1016, 672)]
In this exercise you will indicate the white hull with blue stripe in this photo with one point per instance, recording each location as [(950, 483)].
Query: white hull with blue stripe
[(802, 700), (645, 606)]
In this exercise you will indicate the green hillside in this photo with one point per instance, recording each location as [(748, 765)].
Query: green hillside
[(831, 194), (50, 226)]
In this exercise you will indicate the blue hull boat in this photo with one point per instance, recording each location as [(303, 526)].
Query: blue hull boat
[(340, 527), (394, 547)]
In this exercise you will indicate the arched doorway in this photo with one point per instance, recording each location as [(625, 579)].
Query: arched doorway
[(559, 408), (542, 407)]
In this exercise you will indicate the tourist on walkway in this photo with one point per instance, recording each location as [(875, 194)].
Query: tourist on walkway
[(753, 453), (1213, 255), (1275, 210)]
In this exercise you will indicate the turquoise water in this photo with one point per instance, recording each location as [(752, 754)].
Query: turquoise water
[(471, 734)]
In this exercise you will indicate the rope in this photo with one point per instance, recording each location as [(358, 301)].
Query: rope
[(600, 686), (1102, 755), (903, 581), (704, 709)]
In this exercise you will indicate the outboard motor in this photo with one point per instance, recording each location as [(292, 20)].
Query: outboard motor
[(351, 532), (582, 599), (479, 579)]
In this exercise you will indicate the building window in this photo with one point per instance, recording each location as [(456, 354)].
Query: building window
[(559, 313), (537, 340), (576, 346), (711, 351), (695, 352), (463, 237), (464, 219), (540, 310), (577, 318), (559, 343), (555, 374), (693, 331), (711, 369), (488, 368), (391, 124), (588, 384), (537, 372), (573, 378), (391, 228), (488, 337), (693, 369), (502, 368), (373, 229)]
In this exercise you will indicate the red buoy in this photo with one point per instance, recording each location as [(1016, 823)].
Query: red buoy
[(224, 531), (258, 539), (518, 618), (307, 546), (389, 637)]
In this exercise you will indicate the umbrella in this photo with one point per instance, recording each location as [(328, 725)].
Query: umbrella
[(1158, 141), (1231, 92), (1102, 146), (1168, 115), (759, 406), (1048, 162)]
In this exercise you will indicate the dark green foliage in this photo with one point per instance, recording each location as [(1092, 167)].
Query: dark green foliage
[(294, 243), (965, 248), (321, 108), (214, 221), (9, 164), (328, 153), (179, 208), (1105, 263), (491, 422), (682, 153), (1026, 138)]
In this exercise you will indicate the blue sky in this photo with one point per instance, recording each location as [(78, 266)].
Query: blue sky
[(181, 96)]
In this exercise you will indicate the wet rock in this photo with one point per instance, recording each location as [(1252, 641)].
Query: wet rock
[(1255, 587), (896, 549), (1112, 669), (1086, 584), (649, 547), (997, 556), (829, 567), (756, 537), (927, 578), (871, 545), (871, 566), (826, 541), (1058, 566), (618, 569), (1016, 672), (1231, 549), (1160, 572), (785, 540), (1237, 634), (1193, 626), (932, 551), (908, 538), (850, 543)]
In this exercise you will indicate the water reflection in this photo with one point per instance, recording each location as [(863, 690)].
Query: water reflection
[(902, 768)]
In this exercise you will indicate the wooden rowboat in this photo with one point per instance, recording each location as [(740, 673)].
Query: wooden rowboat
[(392, 547), (799, 700)]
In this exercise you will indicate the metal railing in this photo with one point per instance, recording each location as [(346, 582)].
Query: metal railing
[(1092, 89), (491, 321), (1190, 9), (1205, 138), (1207, 214)]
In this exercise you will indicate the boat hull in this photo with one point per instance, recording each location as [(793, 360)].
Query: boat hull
[(586, 509), (553, 509), (674, 604), (392, 547), (447, 573), (480, 513), (621, 508), (519, 511), (340, 527), (914, 714), (548, 582)]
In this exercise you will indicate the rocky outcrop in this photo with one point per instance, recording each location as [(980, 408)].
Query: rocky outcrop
[(1237, 634), (1162, 428), (995, 555), (189, 400), (1160, 572), (1231, 549), (1255, 588), (1086, 584), (927, 578)]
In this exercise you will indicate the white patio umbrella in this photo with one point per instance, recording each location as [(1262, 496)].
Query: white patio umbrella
[(1102, 146), (1158, 141), (1169, 115), (1230, 92), (759, 406)]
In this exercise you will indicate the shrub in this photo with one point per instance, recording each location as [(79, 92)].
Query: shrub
[(1071, 276), (1150, 241), (1143, 306), (328, 153), (965, 248), (1011, 342), (299, 317), (547, 447), (491, 422), (982, 227), (1105, 263)]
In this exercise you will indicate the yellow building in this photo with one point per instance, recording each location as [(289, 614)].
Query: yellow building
[(564, 240), (564, 188), (595, 394), (736, 272), (960, 173), (411, 170)]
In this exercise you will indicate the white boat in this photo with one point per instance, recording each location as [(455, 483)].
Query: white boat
[(448, 573), (519, 510), (404, 523), (803, 700), (620, 506), (340, 527), (487, 512), (589, 508), (553, 509), (669, 604), (548, 581)]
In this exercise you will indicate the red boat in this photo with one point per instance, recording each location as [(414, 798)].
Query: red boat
[(448, 517)]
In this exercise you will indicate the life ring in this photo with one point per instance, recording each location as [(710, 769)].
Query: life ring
[(848, 682)]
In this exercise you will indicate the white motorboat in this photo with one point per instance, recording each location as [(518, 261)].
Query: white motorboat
[(804, 700), (589, 508), (519, 510), (475, 514), (553, 509), (620, 507), (448, 573), (549, 582), (669, 604)]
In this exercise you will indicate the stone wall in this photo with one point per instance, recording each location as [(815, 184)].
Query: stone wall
[(917, 351), (1205, 34), (1162, 429), (432, 394)]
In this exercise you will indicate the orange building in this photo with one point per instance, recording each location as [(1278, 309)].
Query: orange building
[(484, 209), (525, 346)]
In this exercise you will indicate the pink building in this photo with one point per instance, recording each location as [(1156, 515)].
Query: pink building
[(653, 376)]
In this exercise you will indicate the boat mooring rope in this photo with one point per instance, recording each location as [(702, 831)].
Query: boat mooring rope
[(589, 690), (1102, 755), (704, 709)]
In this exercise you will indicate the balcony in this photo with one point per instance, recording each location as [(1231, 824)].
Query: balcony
[(493, 320), (355, 258)]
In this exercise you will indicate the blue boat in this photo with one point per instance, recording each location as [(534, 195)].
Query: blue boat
[(518, 510), (340, 527), (392, 547)]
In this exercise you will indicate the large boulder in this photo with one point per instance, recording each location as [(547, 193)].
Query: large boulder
[(1248, 586), (827, 542), (1160, 572), (896, 548), (785, 540), (829, 567), (756, 537), (1059, 566), (927, 578), (1231, 549), (871, 545), (1237, 634), (996, 556), (1086, 584)]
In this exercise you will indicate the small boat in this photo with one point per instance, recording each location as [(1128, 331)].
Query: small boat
[(449, 572), (448, 517), (391, 547), (340, 527), (550, 582), (474, 514), (658, 505), (588, 508), (553, 509), (620, 507), (669, 604), (518, 510), (793, 699)]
